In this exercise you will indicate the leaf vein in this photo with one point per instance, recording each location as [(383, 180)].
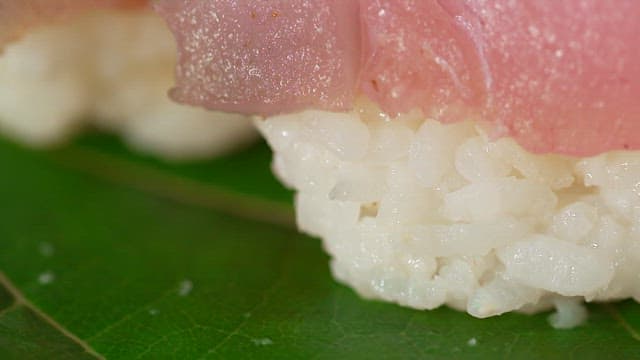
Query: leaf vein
[(21, 300), (265, 298), (130, 315), (615, 314), (178, 188)]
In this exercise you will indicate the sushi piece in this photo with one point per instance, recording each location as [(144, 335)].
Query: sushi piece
[(477, 154), (108, 68)]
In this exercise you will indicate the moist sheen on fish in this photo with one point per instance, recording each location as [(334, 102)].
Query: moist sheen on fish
[(558, 76), (265, 56)]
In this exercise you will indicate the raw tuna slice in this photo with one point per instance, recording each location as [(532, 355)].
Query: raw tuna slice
[(265, 56), (18, 15), (563, 76), (418, 55), (558, 76)]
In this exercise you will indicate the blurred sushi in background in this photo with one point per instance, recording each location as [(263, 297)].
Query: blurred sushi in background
[(109, 69)]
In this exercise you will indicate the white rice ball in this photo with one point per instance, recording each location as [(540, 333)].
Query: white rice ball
[(424, 214)]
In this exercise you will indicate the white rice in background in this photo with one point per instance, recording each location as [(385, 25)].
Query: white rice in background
[(113, 70), (424, 214)]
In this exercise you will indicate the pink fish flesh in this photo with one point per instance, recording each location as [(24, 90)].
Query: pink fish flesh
[(558, 76), (265, 57)]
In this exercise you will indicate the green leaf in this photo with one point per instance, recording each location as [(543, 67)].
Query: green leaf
[(26, 332), (109, 254)]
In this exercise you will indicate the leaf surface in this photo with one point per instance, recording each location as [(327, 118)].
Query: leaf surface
[(108, 252)]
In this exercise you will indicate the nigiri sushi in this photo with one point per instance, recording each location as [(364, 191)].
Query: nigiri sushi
[(480, 154), (107, 64), (475, 154)]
